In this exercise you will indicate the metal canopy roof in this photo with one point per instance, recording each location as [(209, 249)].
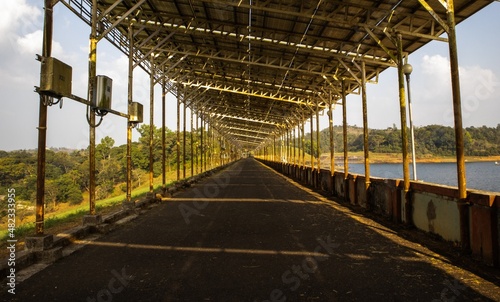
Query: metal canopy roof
[(253, 68)]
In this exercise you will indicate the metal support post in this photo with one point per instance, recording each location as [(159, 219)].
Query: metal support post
[(197, 146), (42, 125), (178, 141), (192, 143), (344, 131), (404, 132), (129, 125), (91, 83), (459, 135), (317, 139), (365, 127), (312, 144), (205, 146), (163, 135), (330, 131), (457, 102), (294, 147), (274, 148), (151, 121), (184, 136), (303, 143), (202, 147), (407, 69), (289, 145)]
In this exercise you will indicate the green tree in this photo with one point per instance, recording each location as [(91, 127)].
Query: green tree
[(68, 190), (103, 150)]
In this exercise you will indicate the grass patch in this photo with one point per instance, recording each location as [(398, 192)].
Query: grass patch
[(74, 214)]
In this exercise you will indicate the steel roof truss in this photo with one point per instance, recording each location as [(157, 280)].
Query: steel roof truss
[(121, 19), (436, 17)]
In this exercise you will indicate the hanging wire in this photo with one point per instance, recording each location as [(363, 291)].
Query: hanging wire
[(49, 101), (100, 113)]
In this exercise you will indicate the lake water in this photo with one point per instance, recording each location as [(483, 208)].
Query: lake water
[(480, 175)]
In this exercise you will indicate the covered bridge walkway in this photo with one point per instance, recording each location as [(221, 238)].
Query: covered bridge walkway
[(248, 233)]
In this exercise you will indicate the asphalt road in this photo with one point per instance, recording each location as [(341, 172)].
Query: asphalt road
[(249, 234)]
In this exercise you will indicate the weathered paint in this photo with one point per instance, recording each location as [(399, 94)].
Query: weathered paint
[(436, 214), (351, 180), (497, 222), (325, 180), (382, 194), (483, 227), (361, 191), (339, 186)]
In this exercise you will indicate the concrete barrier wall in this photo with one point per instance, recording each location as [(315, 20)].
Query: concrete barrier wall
[(383, 195), (361, 193), (484, 224), (340, 186), (435, 210), (473, 224)]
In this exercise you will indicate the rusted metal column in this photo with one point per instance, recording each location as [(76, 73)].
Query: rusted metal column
[(330, 131), (317, 139), (281, 148), (312, 144), (197, 150), (303, 143), (459, 135), (274, 148), (129, 124), (457, 102), (404, 132), (92, 81), (206, 146), (294, 147), (178, 141), (285, 146), (42, 124), (163, 134), (184, 136), (365, 126), (192, 143), (202, 147), (211, 146), (344, 131), (151, 121), (289, 145), (298, 145), (208, 150), (222, 145)]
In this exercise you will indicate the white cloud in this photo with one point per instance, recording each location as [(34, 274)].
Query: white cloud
[(17, 18), (436, 76), (479, 87), (31, 43)]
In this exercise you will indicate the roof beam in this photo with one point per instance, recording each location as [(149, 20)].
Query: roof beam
[(121, 19), (436, 17)]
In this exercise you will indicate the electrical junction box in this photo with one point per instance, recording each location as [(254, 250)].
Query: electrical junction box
[(55, 78), (135, 112), (102, 93)]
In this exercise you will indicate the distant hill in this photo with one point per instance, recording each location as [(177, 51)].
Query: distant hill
[(429, 140)]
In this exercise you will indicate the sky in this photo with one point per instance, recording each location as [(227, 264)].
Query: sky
[(21, 24)]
